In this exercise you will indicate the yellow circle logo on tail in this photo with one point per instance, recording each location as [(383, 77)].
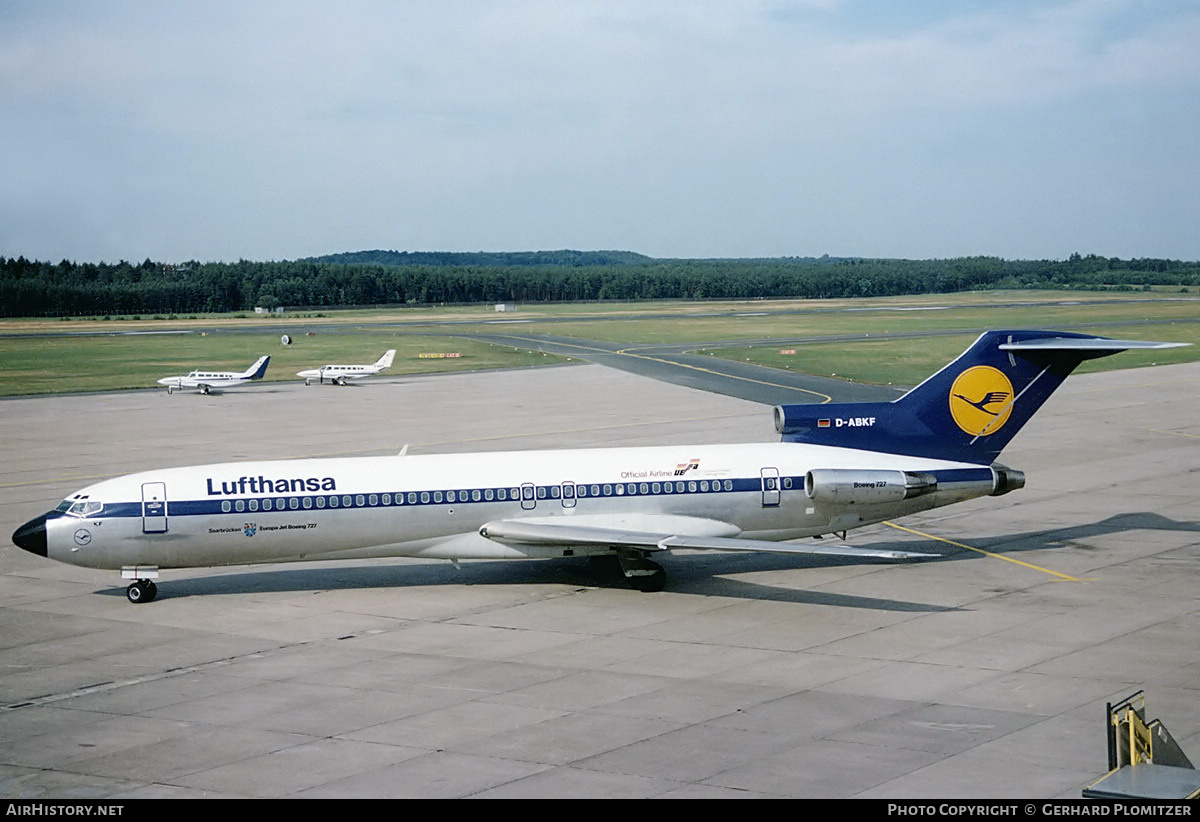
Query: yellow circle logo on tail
[(981, 400)]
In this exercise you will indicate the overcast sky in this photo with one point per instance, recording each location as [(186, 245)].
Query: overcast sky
[(275, 130)]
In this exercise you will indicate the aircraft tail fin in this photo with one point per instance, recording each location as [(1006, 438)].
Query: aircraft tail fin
[(256, 371), (969, 410), (386, 360)]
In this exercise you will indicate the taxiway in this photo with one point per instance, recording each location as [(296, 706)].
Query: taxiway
[(982, 674)]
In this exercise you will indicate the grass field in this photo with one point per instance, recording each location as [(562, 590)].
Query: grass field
[(41, 365), (50, 356)]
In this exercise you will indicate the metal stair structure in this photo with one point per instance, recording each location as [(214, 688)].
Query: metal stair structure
[(1144, 761)]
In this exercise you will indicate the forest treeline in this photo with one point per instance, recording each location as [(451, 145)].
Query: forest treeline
[(65, 289)]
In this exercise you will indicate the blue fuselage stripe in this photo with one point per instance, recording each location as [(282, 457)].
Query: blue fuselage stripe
[(542, 494)]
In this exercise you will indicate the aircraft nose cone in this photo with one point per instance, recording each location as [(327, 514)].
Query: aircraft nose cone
[(32, 536)]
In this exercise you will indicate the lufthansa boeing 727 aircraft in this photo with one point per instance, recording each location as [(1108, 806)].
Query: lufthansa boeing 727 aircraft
[(206, 380), (338, 374), (838, 466)]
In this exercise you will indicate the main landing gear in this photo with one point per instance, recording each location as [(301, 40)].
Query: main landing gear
[(643, 574)]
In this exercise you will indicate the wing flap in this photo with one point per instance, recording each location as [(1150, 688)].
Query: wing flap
[(767, 547), (529, 532)]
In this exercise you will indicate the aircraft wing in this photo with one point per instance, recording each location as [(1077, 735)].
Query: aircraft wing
[(533, 532)]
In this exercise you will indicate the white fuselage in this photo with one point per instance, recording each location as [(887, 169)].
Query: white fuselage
[(216, 379), (339, 372), (434, 506)]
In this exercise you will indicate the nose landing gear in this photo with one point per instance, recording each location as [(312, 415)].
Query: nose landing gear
[(143, 590)]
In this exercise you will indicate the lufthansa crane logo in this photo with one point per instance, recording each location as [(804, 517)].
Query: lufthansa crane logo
[(981, 400)]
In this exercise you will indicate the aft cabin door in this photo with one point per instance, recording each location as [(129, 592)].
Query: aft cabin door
[(154, 508), (770, 487)]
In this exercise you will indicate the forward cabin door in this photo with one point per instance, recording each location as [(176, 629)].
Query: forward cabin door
[(770, 487), (154, 507)]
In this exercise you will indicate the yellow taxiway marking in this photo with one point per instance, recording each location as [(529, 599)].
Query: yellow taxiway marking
[(1175, 433), (1065, 577)]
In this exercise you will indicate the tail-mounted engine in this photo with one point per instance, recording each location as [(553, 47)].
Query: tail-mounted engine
[(848, 486), (863, 487), (1006, 479)]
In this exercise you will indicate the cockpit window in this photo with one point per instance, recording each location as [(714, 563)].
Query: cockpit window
[(84, 508)]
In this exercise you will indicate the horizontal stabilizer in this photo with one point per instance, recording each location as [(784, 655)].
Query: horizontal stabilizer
[(1097, 346)]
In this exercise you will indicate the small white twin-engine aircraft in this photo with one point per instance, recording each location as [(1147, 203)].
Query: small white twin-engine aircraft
[(839, 466), (207, 380), (338, 374)]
